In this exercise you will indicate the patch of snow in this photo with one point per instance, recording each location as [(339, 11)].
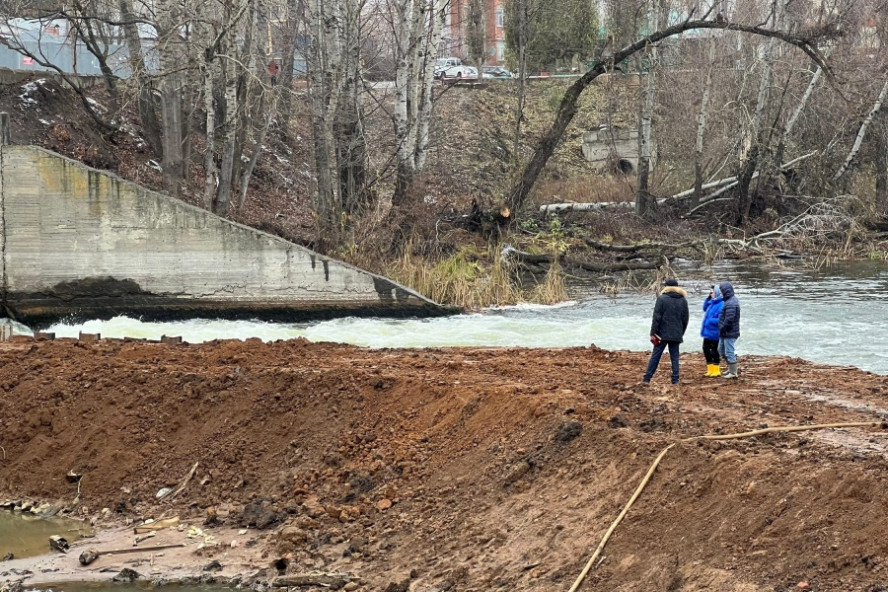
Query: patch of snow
[(281, 159), (25, 96), (44, 122), (96, 104), (153, 164)]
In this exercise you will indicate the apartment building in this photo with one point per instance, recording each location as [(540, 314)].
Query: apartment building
[(494, 26)]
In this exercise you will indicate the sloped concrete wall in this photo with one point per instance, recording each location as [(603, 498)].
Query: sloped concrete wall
[(85, 242)]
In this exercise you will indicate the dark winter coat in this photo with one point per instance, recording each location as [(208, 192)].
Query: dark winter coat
[(729, 319), (671, 314), (712, 308)]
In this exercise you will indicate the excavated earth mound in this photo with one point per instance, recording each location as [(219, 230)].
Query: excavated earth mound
[(461, 469)]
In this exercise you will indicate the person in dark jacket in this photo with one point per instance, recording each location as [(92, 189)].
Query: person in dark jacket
[(668, 327), (729, 328), (712, 307)]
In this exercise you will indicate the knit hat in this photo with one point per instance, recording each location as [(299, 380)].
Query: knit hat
[(670, 282)]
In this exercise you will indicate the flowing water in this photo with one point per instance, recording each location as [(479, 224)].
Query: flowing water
[(834, 316)]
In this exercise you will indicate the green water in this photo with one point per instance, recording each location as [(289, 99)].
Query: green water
[(142, 586), (25, 535)]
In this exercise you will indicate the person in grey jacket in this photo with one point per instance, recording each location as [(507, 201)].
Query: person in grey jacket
[(729, 329), (668, 327)]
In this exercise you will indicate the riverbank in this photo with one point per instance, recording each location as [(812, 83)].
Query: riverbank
[(437, 469)]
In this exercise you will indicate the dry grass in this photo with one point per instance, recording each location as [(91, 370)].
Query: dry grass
[(462, 279), (591, 188), (552, 289)]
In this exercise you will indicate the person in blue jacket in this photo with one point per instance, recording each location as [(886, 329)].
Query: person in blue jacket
[(729, 328), (712, 308)]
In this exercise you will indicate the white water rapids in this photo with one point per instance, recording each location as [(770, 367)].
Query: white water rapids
[(834, 318)]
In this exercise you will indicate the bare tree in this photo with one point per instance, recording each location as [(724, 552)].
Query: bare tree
[(567, 109), (418, 28), (644, 201)]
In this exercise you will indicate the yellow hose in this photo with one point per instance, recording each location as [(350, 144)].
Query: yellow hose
[(647, 477)]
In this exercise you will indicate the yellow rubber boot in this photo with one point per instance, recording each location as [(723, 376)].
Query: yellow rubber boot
[(712, 370)]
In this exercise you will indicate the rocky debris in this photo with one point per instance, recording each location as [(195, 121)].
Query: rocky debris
[(58, 543), (402, 586), (617, 421), (568, 431), (213, 566), (127, 575), (88, 556), (260, 515), (8, 557), (12, 586)]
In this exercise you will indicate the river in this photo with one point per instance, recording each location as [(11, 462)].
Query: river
[(834, 316)]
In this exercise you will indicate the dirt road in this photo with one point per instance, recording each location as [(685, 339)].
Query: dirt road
[(457, 469)]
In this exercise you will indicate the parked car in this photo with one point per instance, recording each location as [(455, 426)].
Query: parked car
[(496, 72), (461, 72), (442, 64)]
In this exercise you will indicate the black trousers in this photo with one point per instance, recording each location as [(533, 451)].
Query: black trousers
[(710, 350)]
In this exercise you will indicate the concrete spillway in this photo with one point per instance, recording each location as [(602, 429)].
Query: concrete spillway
[(85, 243)]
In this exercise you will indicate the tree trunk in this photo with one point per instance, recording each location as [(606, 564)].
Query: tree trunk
[(419, 29), (257, 152), (861, 134), (285, 84), (701, 129), (754, 147), (407, 46), (882, 165), (790, 124), (147, 110), (229, 146), (173, 163), (645, 203), (325, 82), (522, 14), (210, 178), (351, 148)]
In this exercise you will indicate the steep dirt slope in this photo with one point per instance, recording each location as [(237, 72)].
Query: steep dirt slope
[(474, 469)]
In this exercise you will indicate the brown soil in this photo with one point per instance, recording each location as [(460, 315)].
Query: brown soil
[(503, 467)]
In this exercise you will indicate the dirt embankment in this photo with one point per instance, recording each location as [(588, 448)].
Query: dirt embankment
[(458, 469)]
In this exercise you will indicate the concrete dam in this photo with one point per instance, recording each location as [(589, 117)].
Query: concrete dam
[(81, 243)]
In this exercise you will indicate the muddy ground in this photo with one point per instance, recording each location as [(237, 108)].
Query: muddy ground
[(451, 469)]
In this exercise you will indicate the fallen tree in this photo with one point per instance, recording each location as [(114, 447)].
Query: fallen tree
[(518, 197)]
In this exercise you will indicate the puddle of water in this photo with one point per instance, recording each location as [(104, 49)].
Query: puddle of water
[(140, 586), (24, 535)]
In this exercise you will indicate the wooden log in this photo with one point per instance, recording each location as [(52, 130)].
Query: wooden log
[(585, 206), (310, 579), (158, 525)]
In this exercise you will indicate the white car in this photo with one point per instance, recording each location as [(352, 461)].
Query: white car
[(461, 72), (442, 64)]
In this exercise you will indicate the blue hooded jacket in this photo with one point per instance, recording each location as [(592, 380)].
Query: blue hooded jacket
[(729, 319), (712, 308)]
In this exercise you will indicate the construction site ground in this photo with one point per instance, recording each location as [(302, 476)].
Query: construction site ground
[(447, 469)]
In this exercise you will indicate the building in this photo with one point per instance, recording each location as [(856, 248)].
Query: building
[(494, 30)]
